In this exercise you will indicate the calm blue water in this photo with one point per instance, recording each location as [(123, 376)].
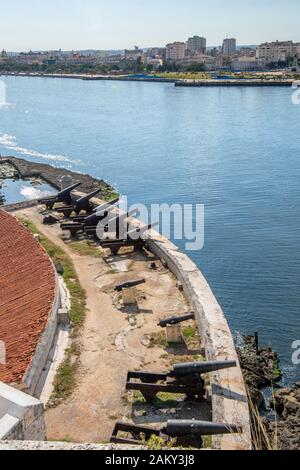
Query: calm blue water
[(235, 150), (23, 190)]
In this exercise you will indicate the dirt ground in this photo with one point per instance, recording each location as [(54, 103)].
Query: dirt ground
[(115, 340)]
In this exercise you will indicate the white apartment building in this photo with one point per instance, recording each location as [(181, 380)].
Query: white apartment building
[(196, 44), (229, 46), (278, 51), (175, 51)]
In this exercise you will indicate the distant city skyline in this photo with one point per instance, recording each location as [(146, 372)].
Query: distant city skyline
[(119, 24)]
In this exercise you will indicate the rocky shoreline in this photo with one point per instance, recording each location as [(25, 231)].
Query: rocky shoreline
[(18, 168), (261, 369)]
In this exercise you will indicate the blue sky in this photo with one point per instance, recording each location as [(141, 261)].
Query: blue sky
[(113, 24)]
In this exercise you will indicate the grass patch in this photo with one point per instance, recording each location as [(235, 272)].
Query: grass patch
[(162, 400), (207, 442), (85, 248), (158, 443), (185, 75), (176, 359), (65, 380), (189, 332), (111, 196)]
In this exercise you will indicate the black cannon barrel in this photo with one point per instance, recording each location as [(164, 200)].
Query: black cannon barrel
[(65, 192), (64, 225), (141, 230), (121, 217), (106, 206), (66, 208), (118, 222), (62, 196), (128, 284), (177, 428), (94, 219), (88, 197), (176, 320), (189, 368)]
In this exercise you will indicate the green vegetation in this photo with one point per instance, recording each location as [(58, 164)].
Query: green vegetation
[(158, 443), (85, 248), (185, 75), (65, 379), (207, 442), (111, 196), (162, 400), (113, 417), (277, 372), (189, 332)]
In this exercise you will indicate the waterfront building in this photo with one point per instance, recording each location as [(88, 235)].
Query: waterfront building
[(229, 46), (176, 51), (278, 51), (196, 44), (156, 62), (208, 61), (245, 63)]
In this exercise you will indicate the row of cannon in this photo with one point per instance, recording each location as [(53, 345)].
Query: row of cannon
[(184, 378), (97, 222)]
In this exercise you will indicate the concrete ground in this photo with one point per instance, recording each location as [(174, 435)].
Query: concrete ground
[(115, 340)]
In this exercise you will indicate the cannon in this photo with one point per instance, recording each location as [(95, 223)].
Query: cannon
[(81, 204), (100, 213), (183, 378), (116, 224), (176, 320), (80, 224), (138, 232), (120, 222), (74, 229), (116, 245), (180, 429), (62, 196), (92, 217), (134, 239), (129, 284)]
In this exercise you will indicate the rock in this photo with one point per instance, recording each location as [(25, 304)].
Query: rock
[(59, 268), (287, 428), (259, 370), (13, 167)]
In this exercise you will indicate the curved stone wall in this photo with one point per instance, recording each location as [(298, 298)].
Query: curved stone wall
[(229, 398)]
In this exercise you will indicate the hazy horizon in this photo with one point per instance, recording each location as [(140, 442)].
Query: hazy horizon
[(119, 24)]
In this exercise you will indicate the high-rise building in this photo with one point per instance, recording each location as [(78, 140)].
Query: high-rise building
[(196, 44), (229, 46), (175, 51)]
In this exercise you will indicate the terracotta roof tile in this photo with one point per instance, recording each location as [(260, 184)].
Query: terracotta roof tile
[(27, 293)]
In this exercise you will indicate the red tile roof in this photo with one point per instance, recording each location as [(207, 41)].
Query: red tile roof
[(27, 293)]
